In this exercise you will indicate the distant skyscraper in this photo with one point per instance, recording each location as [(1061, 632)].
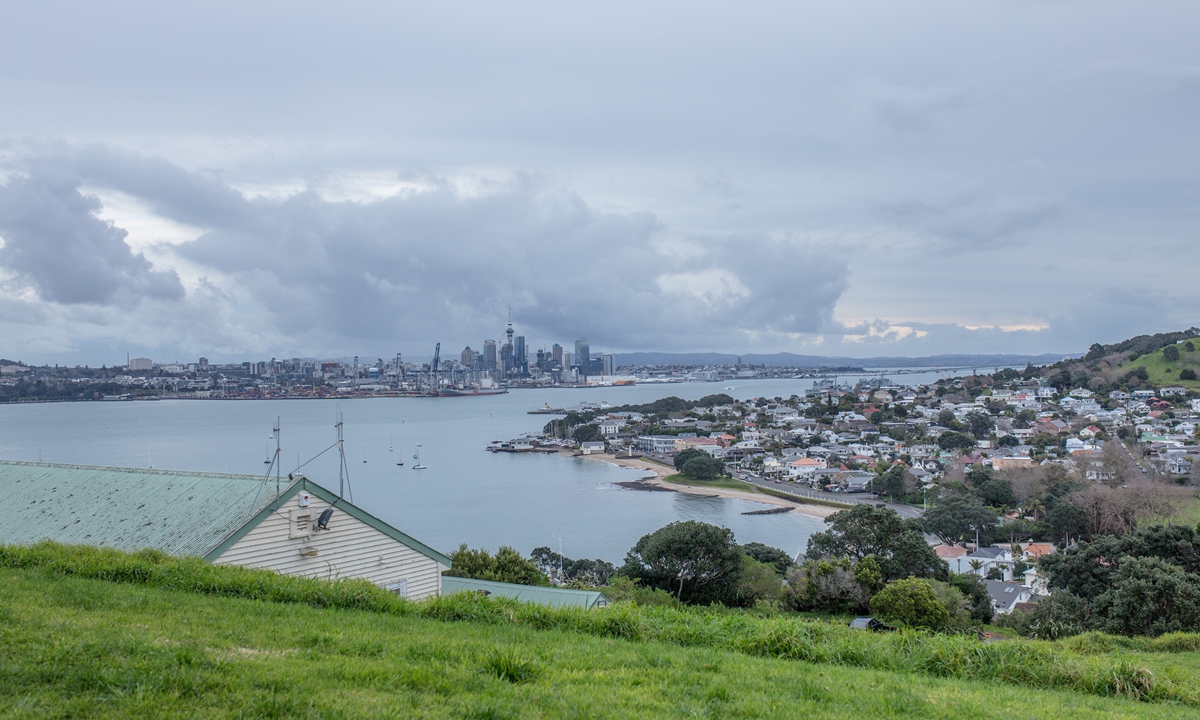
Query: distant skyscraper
[(557, 354), (566, 361), (607, 365), (520, 356), (489, 354), (583, 354), (468, 355)]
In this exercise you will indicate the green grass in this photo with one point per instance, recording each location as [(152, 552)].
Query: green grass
[(75, 647), (1086, 667), (1163, 372)]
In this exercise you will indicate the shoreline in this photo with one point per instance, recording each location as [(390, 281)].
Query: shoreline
[(660, 473)]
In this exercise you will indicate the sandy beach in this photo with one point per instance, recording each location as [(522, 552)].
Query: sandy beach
[(656, 475)]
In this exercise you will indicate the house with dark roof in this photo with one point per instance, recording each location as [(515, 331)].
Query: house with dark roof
[(292, 526)]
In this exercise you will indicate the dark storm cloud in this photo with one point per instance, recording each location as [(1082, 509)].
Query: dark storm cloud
[(54, 241)]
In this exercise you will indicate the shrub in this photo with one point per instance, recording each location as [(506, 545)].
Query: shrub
[(1187, 374), (1171, 353), (911, 602), (507, 565)]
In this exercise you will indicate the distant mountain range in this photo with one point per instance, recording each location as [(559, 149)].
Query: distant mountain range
[(816, 361)]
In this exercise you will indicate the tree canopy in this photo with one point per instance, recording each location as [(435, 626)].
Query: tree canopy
[(953, 518), (697, 562), (507, 565), (898, 544)]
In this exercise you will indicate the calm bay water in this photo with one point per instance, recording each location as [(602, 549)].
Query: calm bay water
[(466, 495)]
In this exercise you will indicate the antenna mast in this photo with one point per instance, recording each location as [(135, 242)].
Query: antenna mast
[(276, 460), (343, 469)]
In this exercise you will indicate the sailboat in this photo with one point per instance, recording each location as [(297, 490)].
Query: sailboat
[(417, 457), (268, 460)]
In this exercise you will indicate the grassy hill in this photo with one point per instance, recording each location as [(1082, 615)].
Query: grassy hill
[(178, 638), (1165, 372)]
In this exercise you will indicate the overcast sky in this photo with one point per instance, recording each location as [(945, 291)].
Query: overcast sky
[(248, 180)]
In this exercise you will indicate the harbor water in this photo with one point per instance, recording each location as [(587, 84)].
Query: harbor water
[(466, 494)]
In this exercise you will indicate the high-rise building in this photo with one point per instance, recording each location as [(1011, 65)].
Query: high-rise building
[(520, 356), (468, 355), (203, 363), (607, 365), (557, 354), (506, 360), (542, 360), (489, 354), (582, 354), (566, 361)]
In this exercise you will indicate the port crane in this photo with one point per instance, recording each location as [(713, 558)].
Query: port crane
[(433, 367)]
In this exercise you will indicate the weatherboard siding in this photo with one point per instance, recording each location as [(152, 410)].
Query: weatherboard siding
[(349, 549)]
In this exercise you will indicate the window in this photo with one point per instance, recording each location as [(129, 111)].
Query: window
[(399, 588), (301, 523)]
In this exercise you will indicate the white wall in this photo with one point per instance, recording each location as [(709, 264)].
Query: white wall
[(349, 549)]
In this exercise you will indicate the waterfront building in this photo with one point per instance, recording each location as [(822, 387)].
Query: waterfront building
[(141, 364), (556, 353), (606, 365), (468, 356), (225, 519)]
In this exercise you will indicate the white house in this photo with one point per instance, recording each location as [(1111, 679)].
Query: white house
[(295, 528)]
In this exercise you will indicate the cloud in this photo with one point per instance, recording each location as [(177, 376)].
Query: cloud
[(307, 274), (973, 222), (54, 241)]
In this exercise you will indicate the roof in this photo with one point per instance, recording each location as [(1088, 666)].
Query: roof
[(950, 551), (1005, 594), (988, 553), (554, 597), (179, 513)]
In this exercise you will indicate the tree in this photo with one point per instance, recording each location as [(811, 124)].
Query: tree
[(1187, 374), (759, 583), (1171, 353), (1149, 596), (589, 573), (697, 562), (975, 591), (1008, 441), (828, 586), (1088, 569), (947, 420), (952, 440), (682, 458), (898, 544), (507, 565), (703, 468), (980, 424), (774, 557), (954, 518), (587, 433), (896, 482), (997, 492), (911, 602)]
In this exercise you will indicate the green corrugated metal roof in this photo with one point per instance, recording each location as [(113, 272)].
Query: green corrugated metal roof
[(180, 513), (554, 597)]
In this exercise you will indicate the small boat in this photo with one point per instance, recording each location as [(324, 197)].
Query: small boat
[(417, 457)]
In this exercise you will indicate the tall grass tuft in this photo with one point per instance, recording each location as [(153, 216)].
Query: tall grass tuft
[(1076, 664)]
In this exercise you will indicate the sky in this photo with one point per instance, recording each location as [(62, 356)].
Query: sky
[(291, 179)]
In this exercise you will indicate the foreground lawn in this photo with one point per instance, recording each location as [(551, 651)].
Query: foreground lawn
[(74, 647)]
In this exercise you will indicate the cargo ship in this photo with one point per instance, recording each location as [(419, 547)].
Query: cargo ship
[(470, 391)]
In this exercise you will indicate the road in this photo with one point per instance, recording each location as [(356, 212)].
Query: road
[(804, 491)]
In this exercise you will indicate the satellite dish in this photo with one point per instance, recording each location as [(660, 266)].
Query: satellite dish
[(323, 520)]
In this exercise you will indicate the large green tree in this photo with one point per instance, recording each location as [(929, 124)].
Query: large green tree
[(1149, 596), (897, 543), (682, 458), (772, 556), (911, 602), (697, 562), (1088, 569), (952, 440), (703, 468), (955, 517)]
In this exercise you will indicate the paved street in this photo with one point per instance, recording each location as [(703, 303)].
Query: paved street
[(804, 491)]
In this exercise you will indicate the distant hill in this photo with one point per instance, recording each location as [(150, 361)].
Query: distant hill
[(815, 361)]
